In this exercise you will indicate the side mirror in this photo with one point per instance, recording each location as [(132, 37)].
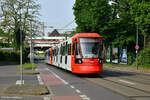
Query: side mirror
[(78, 60), (100, 60)]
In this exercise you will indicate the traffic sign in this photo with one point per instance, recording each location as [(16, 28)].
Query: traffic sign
[(137, 47)]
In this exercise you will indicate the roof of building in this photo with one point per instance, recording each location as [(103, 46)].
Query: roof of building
[(54, 33)]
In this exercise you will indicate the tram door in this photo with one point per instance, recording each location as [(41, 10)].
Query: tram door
[(73, 52), (76, 53)]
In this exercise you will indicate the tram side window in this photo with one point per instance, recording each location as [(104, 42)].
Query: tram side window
[(49, 53), (69, 49), (61, 50), (73, 48), (56, 51), (66, 49)]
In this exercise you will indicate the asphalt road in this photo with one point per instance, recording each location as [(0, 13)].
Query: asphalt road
[(83, 87)]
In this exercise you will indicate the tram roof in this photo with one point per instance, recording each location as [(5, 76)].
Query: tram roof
[(87, 35)]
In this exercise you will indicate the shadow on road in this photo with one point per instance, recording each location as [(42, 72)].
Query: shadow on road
[(115, 73), (105, 73)]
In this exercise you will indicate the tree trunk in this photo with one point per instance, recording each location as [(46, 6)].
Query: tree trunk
[(144, 42)]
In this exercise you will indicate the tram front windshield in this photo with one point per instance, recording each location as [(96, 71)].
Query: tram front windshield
[(90, 47)]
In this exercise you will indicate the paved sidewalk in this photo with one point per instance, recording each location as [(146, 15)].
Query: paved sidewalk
[(10, 75)]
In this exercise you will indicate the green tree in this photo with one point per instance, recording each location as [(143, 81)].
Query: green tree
[(1, 33), (92, 15), (124, 25), (16, 13), (140, 9)]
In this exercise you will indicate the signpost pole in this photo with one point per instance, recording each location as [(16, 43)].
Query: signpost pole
[(137, 47), (21, 68)]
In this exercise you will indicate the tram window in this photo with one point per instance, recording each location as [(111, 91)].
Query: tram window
[(48, 53), (66, 50), (73, 48), (69, 49), (61, 50), (56, 51), (77, 51)]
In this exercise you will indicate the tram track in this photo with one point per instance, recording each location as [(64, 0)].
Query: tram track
[(142, 81), (138, 78), (119, 83)]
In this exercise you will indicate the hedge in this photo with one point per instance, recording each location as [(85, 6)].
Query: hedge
[(9, 56)]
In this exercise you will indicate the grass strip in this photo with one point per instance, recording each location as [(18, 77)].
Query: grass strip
[(27, 66), (26, 89)]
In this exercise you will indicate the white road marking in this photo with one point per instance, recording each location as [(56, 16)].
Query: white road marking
[(78, 91), (7, 97), (58, 77), (40, 80), (19, 82), (84, 97), (124, 81), (72, 86), (47, 98)]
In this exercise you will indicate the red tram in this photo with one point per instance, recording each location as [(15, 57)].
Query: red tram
[(79, 54)]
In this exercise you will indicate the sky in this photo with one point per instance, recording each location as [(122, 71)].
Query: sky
[(57, 13)]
